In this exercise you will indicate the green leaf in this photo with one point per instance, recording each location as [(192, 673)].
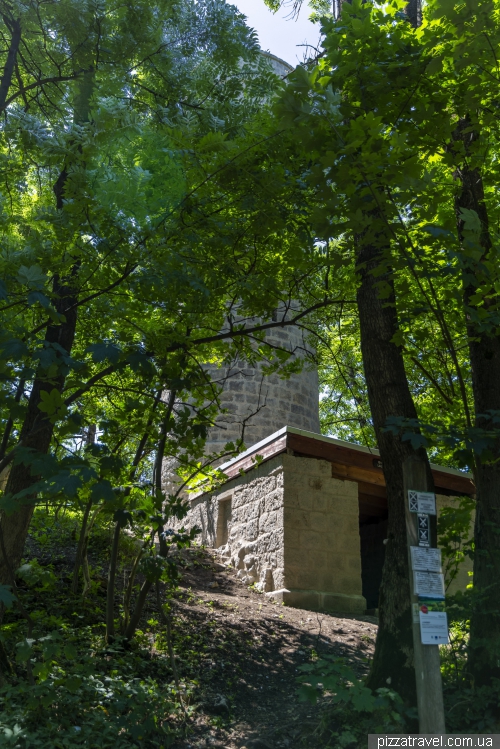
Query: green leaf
[(32, 276), (435, 66), (73, 683), (37, 296), (24, 651), (7, 598), (52, 404), (70, 651), (307, 693), (8, 504), (102, 490), (472, 222), (14, 349), (102, 351)]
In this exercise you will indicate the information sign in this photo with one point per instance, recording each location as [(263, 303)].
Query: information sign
[(422, 502), (428, 584), (425, 559), (423, 530), (433, 627)]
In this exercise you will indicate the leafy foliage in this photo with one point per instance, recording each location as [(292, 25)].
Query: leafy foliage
[(361, 710)]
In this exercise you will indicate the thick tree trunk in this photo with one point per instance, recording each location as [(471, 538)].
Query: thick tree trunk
[(413, 11), (484, 644), (14, 26), (484, 347), (36, 432), (389, 395)]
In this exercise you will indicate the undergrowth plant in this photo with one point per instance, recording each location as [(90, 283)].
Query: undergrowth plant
[(64, 685), (353, 709)]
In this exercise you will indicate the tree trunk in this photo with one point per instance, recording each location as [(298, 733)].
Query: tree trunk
[(110, 599), (389, 395), (36, 431), (484, 347), (14, 26), (80, 549), (413, 11)]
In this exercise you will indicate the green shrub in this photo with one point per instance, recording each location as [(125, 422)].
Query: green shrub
[(72, 709)]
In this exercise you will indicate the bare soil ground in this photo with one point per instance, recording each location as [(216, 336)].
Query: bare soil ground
[(249, 650)]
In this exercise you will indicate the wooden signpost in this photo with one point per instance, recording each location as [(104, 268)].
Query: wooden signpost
[(421, 536)]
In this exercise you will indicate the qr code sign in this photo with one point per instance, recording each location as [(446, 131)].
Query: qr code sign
[(413, 498)]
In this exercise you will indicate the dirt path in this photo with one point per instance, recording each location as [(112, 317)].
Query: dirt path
[(248, 650)]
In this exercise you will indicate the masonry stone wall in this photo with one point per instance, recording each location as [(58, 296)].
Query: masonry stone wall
[(266, 403), (255, 405), (291, 529), (245, 521), (322, 543)]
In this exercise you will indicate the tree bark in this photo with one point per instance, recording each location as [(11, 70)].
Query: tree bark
[(413, 11), (37, 430), (389, 395), (110, 599), (14, 26), (484, 348)]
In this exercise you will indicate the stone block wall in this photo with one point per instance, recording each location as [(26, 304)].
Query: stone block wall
[(321, 538), (248, 510), (291, 528)]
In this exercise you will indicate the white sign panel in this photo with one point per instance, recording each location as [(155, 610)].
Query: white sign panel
[(425, 559), (428, 584), (424, 502), (433, 627)]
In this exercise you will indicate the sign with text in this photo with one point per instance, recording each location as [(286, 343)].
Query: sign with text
[(433, 627), (428, 584), (422, 502), (425, 559)]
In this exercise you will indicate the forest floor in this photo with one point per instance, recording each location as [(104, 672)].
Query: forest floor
[(253, 663), (238, 656)]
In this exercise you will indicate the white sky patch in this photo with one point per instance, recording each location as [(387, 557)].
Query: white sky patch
[(279, 33)]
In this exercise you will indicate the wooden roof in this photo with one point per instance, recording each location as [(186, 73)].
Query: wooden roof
[(349, 461)]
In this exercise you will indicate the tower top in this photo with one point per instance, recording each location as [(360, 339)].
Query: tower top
[(279, 66)]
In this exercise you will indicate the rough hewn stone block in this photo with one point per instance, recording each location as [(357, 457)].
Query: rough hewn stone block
[(294, 517), (294, 525), (298, 557)]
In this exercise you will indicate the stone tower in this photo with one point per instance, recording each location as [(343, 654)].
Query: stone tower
[(276, 401), (264, 404), (270, 401), (278, 66)]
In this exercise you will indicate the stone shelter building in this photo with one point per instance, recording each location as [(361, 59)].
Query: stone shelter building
[(304, 517)]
